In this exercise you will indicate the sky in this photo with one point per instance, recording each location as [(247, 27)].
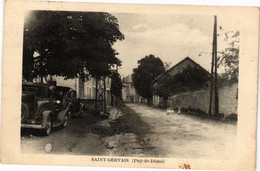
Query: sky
[(169, 37)]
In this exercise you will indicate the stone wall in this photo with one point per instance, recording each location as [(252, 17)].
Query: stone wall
[(200, 100)]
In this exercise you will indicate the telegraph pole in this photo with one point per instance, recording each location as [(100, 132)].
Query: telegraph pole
[(214, 64), (211, 74), (216, 67)]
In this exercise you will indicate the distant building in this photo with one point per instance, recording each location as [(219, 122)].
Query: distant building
[(176, 70), (128, 92)]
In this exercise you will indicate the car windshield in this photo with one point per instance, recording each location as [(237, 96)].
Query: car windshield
[(62, 92), (40, 92)]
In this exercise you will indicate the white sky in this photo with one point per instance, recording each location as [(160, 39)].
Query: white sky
[(170, 37)]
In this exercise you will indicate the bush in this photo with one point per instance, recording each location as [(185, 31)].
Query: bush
[(232, 117)]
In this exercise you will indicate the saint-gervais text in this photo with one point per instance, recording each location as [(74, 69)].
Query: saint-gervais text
[(126, 160)]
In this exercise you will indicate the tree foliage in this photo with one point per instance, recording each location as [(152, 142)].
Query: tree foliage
[(229, 57), (69, 44), (148, 69)]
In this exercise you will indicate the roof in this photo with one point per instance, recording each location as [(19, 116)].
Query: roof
[(172, 68)]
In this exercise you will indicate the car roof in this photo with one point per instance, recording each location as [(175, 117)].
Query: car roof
[(61, 88), (37, 84)]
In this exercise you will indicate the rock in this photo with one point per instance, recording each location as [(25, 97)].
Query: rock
[(170, 111), (111, 144), (48, 147), (179, 110)]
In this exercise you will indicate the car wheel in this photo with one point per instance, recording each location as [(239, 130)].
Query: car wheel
[(47, 130), (65, 121), (24, 113)]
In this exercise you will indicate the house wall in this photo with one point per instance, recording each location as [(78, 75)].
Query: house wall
[(124, 93), (85, 90), (73, 83), (128, 92), (200, 100), (156, 100)]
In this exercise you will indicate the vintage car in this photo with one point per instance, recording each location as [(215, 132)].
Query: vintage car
[(41, 109), (68, 96)]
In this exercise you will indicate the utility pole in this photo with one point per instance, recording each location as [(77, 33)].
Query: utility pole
[(105, 99), (216, 67), (214, 64), (211, 75)]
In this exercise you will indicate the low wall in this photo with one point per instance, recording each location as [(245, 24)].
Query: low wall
[(200, 100)]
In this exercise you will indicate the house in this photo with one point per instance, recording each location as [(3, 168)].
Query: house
[(85, 89), (128, 92), (178, 71)]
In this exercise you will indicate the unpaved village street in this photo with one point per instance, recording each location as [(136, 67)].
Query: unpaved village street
[(187, 136), (137, 130)]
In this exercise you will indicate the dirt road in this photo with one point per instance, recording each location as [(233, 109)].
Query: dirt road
[(188, 136), (122, 134), (137, 130), (76, 138)]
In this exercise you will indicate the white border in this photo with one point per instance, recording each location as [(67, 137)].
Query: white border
[(183, 2)]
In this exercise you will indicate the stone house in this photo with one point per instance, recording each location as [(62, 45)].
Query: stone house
[(199, 99), (128, 92), (174, 71)]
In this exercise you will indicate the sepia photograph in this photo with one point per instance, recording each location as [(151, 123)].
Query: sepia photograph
[(133, 88), (129, 84)]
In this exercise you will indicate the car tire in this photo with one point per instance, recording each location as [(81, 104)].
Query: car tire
[(47, 130), (65, 121), (24, 113)]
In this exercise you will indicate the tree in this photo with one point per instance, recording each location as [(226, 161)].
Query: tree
[(163, 88), (229, 57), (70, 44), (116, 87), (148, 69)]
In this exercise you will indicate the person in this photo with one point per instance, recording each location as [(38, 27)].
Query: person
[(53, 92), (72, 101)]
